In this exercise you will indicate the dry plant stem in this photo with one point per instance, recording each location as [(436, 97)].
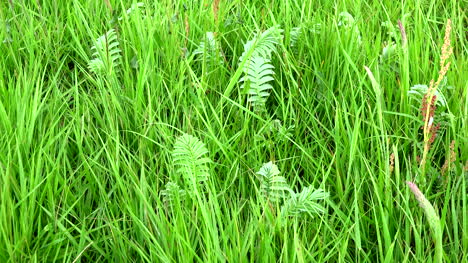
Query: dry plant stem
[(404, 39), (429, 101), (434, 221), (450, 159), (108, 4), (187, 30), (215, 11)]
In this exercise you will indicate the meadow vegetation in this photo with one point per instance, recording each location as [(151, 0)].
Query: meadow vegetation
[(233, 131)]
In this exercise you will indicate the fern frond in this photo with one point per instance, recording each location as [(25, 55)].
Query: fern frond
[(263, 44), (258, 72), (315, 28), (209, 48), (172, 193), (294, 36), (189, 155), (346, 21), (135, 7), (106, 55), (273, 186), (257, 68), (280, 132), (304, 202)]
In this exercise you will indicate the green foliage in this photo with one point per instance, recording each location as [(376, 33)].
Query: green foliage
[(263, 44), (304, 202), (258, 68), (417, 92), (294, 36), (86, 166), (172, 193), (273, 187), (347, 22), (189, 156), (134, 8), (209, 49), (258, 72), (106, 56), (432, 217)]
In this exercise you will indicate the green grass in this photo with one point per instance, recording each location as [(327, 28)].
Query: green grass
[(85, 156)]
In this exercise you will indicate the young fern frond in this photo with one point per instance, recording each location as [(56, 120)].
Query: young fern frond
[(304, 202), (347, 22), (106, 56), (257, 68), (263, 44), (294, 36), (172, 193), (258, 72), (134, 8), (209, 49), (273, 187), (189, 155)]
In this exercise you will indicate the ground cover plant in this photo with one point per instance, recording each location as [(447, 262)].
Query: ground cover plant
[(233, 131)]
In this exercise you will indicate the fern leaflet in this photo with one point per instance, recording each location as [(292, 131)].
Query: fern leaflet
[(257, 68), (209, 48), (294, 36), (106, 54), (263, 44), (189, 155), (172, 193), (273, 186), (258, 72), (304, 202)]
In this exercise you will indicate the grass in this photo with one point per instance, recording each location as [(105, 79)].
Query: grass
[(87, 152)]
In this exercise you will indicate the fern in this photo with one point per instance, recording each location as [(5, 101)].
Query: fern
[(209, 48), (263, 44), (294, 36), (315, 28), (273, 186), (258, 73), (172, 193), (257, 68), (346, 21), (106, 54), (304, 202), (189, 155), (136, 7)]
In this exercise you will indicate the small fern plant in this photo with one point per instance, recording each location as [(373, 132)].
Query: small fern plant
[(106, 56), (172, 194), (275, 189), (304, 202), (257, 67), (347, 23), (134, 8), (209, 49), (190, 158), (294, 35)]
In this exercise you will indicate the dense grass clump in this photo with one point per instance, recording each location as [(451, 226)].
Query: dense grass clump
[(238, 131)]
